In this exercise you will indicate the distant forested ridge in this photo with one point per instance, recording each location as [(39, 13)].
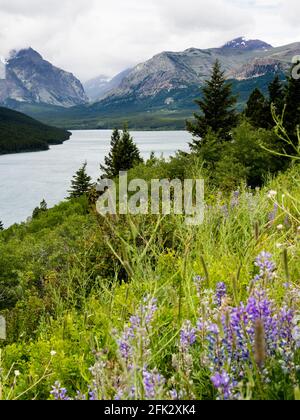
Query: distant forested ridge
[(20, 133)]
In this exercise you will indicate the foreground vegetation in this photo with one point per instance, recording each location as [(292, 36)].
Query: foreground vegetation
[(157, 309)]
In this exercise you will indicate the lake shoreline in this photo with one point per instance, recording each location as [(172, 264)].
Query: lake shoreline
[(33, 176), (46, 149)]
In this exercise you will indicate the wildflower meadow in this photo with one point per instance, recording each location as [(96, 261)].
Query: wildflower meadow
[(210, 312)]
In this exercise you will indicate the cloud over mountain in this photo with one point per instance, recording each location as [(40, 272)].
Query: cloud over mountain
[(92, 37)]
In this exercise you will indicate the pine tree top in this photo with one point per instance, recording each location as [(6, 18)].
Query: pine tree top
[(124, 154), (276, 90), (217, 107), (81, 183)]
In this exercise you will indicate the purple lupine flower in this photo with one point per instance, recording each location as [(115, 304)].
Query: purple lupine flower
[(187, 335), (225, 211), (135, 322), (124, 343), (119, 395), (59, 393), (227, 347), (273, 214), (149, 309), (80, 396), (125, 394), (198, 282), (266, 266), (236, 194), (202, 326), (214, 329), (93, 393), (174, 395), (222, 383), (235, 199), (138, 329), (134, 349), (228, 336), (221, 292), (153, 382)]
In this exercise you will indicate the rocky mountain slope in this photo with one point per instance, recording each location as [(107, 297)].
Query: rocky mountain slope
[(170, 74), (97, 88), (31, 79)]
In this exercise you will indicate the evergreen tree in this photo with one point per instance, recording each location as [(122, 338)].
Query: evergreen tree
[(217, 109), (292, 112), (124, 154), (43, 205), (1, 226), (257, 110), (81, 183), (276, 94), (110, 160), (41, 209), (276, 98), (35, 213)]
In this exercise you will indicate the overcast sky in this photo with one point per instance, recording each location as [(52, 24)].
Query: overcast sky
[(93, 37)]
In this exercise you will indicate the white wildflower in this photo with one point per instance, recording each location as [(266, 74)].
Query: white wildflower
[(272, 194)]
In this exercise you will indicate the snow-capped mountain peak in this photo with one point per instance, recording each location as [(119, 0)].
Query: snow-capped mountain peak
[(243, 43)]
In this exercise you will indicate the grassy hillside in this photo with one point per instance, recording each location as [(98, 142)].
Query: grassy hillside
[(146, 301), (20, 133)]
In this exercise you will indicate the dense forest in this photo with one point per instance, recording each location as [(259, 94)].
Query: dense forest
[(145, 307), (20, 133)]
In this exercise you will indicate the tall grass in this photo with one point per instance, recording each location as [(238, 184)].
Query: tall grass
[(168, 299)]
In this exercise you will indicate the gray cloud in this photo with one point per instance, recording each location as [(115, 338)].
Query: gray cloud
[(42, 8), (200, 15), (91, 37)]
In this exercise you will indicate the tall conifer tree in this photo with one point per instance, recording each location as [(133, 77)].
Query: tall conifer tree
[(276, 93), (124, 154), (257, 110), (81, 183), (218, 115)]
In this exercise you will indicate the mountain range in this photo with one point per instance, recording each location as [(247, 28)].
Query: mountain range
[(97, 88), (170, 73), (153, 94), (31, 79)]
